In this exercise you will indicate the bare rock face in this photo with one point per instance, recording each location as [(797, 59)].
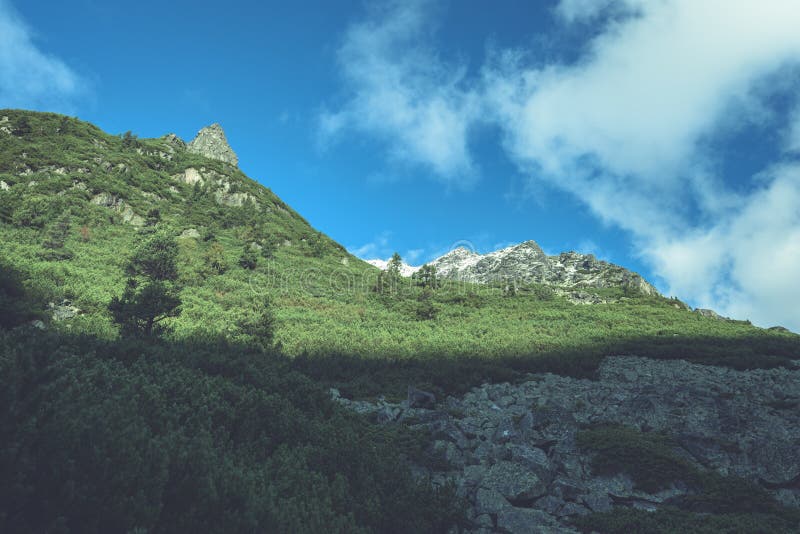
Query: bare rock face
[(569, 272), (526, 262), (212, 143)]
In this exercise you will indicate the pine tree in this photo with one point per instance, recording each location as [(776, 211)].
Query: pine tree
[(56, 239), (426, 277), (395, 265), (389, 280), (153, 217), (426, 309), (259, 325), (249, 258), (215, 258), (150, 295)]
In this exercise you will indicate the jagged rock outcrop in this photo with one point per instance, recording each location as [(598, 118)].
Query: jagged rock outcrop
[(174, 141), (711, 314), (63, 310), (212, 143), (512, 450), (527, 263), (128, 216)]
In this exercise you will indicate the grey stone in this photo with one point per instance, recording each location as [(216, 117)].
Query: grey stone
[(526, 263), (489, 501), (533, 458), (174, 141), (107, 200), (572, 508), (739, 423), (212, 143), (505, 432), (4, 186), (514, 482), (63, 311), (527, 521), (420, 399), (485, 521), (597, 501), (711, 314), (189, 233)]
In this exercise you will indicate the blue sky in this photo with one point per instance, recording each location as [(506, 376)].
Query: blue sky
[(661, 135)]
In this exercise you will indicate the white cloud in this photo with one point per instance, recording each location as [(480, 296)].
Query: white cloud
[(626, 129), (623, 130), (30, 78), (378, 248), (403, 93), (747, 264)]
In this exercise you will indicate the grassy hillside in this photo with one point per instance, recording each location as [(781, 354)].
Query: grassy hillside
[(172, 433), (322, 296)]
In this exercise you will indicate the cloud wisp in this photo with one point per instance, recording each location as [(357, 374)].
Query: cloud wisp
[(625, 129), (29, 77), (400, 91)]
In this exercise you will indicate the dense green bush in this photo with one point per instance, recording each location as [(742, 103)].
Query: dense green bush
[(674, 521), (113, 437), (715, 503)]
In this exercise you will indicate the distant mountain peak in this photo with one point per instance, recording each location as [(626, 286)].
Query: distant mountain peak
[(212, 143), (527, 262), (405, 269)]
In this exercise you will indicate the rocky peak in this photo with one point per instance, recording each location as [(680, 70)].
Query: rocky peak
[(526, 262), (212, 143)]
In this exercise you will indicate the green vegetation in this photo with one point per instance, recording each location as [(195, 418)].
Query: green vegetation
[(221, 422), (648, 458), (675, 521), (112, 436), (150, 294), (717, 504)]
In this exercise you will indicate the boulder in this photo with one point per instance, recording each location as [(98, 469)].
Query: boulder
[(528, 521), (711, 314), (514, 482), (420, 399), (189, 233), (63, 311)]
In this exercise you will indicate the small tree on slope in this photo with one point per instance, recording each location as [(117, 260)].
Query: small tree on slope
[(151, 294)]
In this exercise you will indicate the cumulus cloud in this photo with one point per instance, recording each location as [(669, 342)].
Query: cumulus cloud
[(30, 78), (402, 92), (625, 128)]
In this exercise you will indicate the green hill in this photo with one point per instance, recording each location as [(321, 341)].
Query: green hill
[(322, 296), (172, 433)]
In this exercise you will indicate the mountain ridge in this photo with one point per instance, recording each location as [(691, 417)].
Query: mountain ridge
[(526, 263)]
